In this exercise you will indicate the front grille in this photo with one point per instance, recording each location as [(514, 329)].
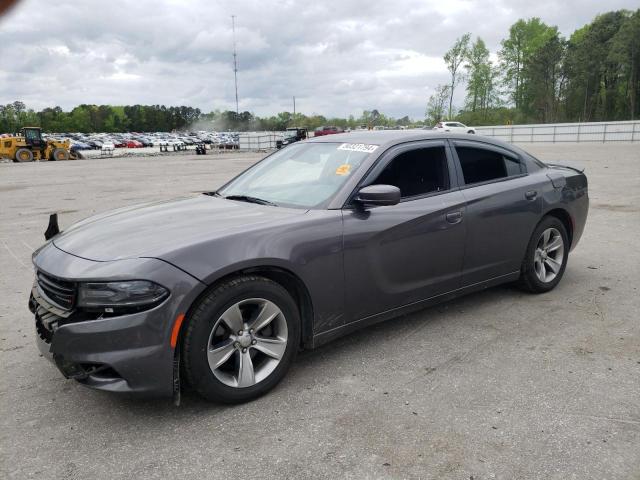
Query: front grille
[(60, 292), (46, 323)]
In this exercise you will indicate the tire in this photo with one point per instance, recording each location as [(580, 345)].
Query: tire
[(24, 155), (471, 132), (546, 258), (60, 154), (218, 361)]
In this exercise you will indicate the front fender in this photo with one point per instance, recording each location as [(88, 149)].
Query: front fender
[(310, 247)]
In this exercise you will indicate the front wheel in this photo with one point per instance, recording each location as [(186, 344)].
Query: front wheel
[(24, 155), (241, 339), (60, 154), (546, 256)]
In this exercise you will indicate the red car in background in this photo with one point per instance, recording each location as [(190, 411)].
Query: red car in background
[(134, 144), (318, 132)]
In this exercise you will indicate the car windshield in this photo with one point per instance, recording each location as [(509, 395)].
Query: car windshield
[(302, 175), (290, 133)]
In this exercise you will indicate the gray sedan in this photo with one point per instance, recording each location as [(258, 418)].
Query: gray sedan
[(318, 239)]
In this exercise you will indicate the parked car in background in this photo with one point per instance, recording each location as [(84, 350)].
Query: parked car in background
[(453, 127), (292, 135), (144, 141), (318, 239), (77, 146), (320, 131), (170, 143)]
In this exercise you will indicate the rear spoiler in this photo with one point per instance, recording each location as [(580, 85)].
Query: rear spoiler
[(560, 165)]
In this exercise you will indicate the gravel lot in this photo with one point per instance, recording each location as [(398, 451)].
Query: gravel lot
[(499, 384)]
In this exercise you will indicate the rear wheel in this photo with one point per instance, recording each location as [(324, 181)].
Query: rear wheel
[(241, 339), (546, 257), (24, 155), (60, 154)]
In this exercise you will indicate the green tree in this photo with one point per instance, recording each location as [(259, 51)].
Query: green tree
[(603, 68), (454, 59), (437, 104), (526, 37), (545, 80), (479, 76), (625, 52)]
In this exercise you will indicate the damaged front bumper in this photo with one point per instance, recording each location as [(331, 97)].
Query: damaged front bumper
[(128, 353)]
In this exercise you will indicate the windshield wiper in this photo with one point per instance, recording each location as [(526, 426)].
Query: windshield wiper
[(248, 199)]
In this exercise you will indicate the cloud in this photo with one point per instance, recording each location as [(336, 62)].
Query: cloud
[(336, 57)]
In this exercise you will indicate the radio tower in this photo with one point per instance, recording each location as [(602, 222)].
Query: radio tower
[(235, 59)]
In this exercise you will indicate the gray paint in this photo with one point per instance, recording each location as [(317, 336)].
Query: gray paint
[(358, 266), (137, 345)]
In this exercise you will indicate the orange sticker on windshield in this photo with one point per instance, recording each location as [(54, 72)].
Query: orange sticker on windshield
[(343, 169)]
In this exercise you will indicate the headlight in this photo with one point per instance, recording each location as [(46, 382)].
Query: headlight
[(134, 295)]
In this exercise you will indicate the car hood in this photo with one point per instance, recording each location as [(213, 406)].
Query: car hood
[(159, 228)]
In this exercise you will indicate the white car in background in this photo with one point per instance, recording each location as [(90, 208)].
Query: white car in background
[(174, 143), (453, 127)]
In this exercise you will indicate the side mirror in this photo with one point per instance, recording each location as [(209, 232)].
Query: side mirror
[(378, 195)]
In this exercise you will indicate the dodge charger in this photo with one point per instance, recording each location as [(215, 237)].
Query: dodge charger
[(321, 238)]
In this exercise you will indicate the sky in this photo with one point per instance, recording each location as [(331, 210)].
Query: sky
[(337, 58)]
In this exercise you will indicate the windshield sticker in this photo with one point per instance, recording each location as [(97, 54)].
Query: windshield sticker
[(358, 147), (343, 169)]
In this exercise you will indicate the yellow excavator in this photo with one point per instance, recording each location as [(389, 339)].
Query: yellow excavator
[(28, 145)]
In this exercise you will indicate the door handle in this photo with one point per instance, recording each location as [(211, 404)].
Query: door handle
[(531, 195), (454, 217)]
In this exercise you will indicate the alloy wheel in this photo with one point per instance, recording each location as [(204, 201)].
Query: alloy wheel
[(247, 342), (549, 255)]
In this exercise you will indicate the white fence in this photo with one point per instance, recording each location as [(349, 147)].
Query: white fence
[(601, 132), (259, 140)]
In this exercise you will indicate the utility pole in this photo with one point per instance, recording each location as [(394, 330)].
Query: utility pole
[(294, 108), (235, 59)]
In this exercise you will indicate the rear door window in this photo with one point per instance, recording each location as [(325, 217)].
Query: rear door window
[(481, 165)]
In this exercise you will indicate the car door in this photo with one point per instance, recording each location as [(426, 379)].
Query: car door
[(502, 209), (400, 254), (450, 127)]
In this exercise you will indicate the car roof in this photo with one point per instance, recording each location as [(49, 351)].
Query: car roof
[(389, 138)]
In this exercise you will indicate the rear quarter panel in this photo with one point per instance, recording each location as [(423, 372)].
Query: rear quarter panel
[(571, 194)]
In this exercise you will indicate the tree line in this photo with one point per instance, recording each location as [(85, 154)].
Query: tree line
[(541, 77), (537, 76), (99, 118), (159, 118)]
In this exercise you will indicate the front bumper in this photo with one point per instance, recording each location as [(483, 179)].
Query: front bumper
[(127, 353)]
